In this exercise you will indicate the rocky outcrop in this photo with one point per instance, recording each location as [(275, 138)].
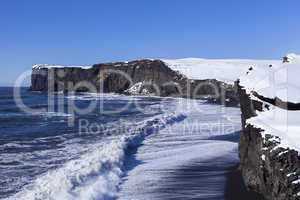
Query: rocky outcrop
[(267, 169), (136, 77), (61, 79), (278, 102)]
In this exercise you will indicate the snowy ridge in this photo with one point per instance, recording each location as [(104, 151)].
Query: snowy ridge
[(227, 70), (97, 173), (47, 66)]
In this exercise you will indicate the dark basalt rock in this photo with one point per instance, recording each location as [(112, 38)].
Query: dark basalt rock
[(278, 102), (109, 77), (266, 168), (156, 77)]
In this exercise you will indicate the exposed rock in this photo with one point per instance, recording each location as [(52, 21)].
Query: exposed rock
[(141, 77), (267, 169), (278, 102)]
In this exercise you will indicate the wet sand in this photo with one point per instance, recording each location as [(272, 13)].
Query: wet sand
[(204, 181), (235, 188)]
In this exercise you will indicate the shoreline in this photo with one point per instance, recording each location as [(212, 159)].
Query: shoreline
[(235, 188)]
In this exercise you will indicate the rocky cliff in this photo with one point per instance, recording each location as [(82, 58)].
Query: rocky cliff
[(141, 77), (268, 169)]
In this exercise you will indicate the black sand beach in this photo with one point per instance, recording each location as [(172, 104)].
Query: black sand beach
[(235, 188), (211, 180), (200, 181)]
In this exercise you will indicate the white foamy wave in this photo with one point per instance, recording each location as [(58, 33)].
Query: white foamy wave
[(13, 145), (99, 96), (53, 114), (42, 114), (97, 173)]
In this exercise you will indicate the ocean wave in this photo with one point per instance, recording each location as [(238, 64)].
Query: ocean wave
[(13, 145), (53, 114), (95, 96), (97, 173), (104, 96), (45, 114)]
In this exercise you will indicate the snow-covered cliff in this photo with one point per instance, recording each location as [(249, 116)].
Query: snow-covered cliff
[(270, 143)]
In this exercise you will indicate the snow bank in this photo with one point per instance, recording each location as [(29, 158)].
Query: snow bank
[(275, 79), (281, 123), (227, 70)]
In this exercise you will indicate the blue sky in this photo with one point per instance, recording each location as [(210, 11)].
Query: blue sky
[(93, 31)]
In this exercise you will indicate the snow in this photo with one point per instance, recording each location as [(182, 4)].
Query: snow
[(138, 88), (47, 66), (269, 78), (135, 89), (281, 80), (291, 174), (277, 79), (281, 123), (227, 70), (282, 153), (296, 182)]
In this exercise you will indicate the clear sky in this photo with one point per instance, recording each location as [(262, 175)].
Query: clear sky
[(93, 31)]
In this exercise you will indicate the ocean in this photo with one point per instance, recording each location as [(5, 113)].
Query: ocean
[(109, 146)]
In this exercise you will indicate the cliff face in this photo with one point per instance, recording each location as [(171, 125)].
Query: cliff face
[(109, 77), (60, 79), (136, 77), (267, 169)]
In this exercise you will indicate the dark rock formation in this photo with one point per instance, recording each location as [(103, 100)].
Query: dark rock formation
[(109, 77), (267, 170), (61, 79), (278, 102), (144, 76)]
